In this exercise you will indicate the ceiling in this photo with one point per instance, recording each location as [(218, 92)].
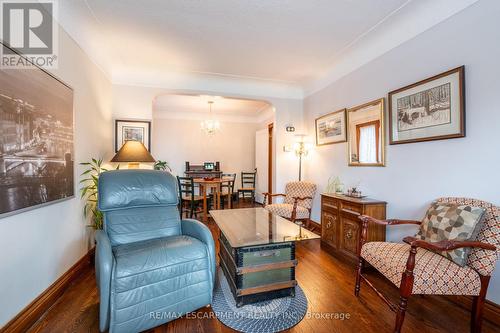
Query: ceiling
[(283, 41), (199, 103), (197, 107)]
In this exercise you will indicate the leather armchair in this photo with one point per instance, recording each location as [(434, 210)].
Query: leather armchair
[(151, 267)]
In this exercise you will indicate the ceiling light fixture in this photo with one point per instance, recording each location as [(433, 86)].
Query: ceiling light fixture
[(210, 125)]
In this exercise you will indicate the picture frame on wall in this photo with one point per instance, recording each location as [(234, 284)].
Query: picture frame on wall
[(137, 130), (331, 128), (431, 109), (37, 138)]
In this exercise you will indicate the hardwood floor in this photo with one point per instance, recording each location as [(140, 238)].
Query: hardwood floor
[(328, 283)]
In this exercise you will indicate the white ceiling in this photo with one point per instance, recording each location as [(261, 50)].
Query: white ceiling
[(284, 41), (196, 107)]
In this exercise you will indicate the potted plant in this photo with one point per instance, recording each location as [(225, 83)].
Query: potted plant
[(162, 165), (89, 190)]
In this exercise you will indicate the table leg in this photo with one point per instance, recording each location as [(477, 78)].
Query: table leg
[(203, 189), (229, 198), (217, 193)]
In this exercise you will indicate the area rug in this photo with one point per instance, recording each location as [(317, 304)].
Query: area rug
[(262, 317)]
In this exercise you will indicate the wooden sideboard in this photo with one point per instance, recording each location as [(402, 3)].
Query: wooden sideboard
[(199, 171), (341, 227)]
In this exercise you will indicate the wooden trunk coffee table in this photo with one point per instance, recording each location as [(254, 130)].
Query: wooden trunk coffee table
[(257, 253)]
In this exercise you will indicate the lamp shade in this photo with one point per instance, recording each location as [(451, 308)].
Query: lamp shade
[(133, 151)]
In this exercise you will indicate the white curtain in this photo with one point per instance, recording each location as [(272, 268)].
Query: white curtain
[(367, 144)]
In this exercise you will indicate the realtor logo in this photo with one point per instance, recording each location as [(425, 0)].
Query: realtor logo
[(29, 29)]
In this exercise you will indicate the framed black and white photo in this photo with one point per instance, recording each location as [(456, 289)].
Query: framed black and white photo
[(136, 130), (331, 128), (36, 142), (432, 109)]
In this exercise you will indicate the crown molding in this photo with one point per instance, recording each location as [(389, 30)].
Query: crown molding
[(407, 22), (234, 85)]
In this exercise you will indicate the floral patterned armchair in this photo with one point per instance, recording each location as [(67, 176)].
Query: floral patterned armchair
[(416, 268), (297, 201)]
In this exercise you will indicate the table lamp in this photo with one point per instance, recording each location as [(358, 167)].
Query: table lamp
[(133, 152)]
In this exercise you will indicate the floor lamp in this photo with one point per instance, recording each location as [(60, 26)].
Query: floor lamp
[(301, 150)]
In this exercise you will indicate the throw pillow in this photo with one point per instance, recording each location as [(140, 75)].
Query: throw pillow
[(446, 221)]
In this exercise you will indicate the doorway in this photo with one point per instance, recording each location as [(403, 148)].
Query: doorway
[(264, 161)]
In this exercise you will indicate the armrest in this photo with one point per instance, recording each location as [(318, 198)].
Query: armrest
[(294, 209), (273, 194), (367, 219), (446, 245), (198, 230), (103, 266), (267, 194)]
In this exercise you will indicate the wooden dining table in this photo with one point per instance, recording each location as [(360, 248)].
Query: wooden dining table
[(215, 185)]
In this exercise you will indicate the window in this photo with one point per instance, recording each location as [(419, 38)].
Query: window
[(368, 141)]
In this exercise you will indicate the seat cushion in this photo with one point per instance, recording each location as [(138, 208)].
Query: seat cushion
[(157, 275), (195, 197), (433, 273), (285, 210)]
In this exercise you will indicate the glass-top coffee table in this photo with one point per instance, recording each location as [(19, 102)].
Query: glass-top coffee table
[(257, 253)]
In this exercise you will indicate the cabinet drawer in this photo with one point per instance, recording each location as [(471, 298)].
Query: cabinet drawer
[(329, 203), (352, 208)]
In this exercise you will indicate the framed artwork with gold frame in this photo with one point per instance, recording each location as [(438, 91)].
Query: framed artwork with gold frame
[(331, 128), (366, 135)]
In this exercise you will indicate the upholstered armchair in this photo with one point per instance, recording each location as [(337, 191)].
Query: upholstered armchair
[(416, 268), (297, 202), (151, 266)]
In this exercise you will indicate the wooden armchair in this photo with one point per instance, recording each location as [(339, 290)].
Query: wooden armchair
[(297, 201), (416, 269)]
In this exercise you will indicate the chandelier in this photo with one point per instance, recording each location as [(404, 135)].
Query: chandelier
[(210, 126)]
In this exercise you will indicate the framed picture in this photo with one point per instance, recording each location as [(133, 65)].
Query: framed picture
[(366, 143), (36, 142), (331, 128), (137, 130), (432, 109)]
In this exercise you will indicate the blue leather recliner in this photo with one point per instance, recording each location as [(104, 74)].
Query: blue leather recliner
[(151, 267)]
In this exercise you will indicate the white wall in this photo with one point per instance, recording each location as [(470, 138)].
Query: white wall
[(178, 140), (420, 172), (38, 246)]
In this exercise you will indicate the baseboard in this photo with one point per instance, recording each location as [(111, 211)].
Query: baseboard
[(31, 313), (316, 227), (491, 311)]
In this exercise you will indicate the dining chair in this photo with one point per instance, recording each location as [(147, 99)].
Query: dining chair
[(248, 185), (189, 202), (227, 188)]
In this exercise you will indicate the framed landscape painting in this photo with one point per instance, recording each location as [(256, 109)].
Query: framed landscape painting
[(331, 128), (432, 109), (136, 130), (36, 141)]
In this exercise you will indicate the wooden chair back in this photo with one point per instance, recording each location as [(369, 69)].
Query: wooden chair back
[(248, 179), (186, 188), (230, 184)]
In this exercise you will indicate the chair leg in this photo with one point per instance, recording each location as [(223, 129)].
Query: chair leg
[(405, 290), (478, 305), (359, 271)]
